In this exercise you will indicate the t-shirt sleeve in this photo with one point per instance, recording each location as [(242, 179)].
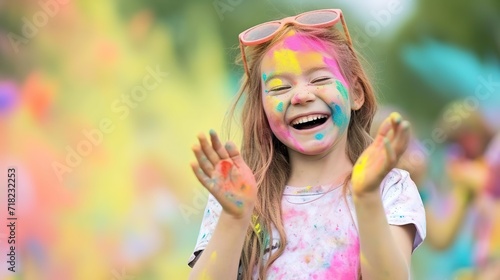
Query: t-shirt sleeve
[(210, 219), (402, 203)]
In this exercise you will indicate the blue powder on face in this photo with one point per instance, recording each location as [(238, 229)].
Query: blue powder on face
[(319, 136), (341, 89), (264, 76), (279, 108), (339, 118)]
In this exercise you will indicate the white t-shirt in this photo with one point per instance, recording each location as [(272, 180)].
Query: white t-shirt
[(321, 228)]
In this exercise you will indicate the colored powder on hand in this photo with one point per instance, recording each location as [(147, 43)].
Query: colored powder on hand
[(225, 167)]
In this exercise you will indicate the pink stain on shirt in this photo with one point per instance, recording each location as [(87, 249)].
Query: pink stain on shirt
[(292, 213), (344, 263)]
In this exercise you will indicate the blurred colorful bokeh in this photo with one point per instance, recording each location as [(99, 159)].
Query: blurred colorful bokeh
[(101, 101)]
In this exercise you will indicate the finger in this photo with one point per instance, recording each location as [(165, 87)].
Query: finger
[(206, 181), (390, 151), (217, 146), (235, 176), (402, 138), (396, 121), (234, 154), (385, 127), (203, 161), (210, 153), (378, 142)]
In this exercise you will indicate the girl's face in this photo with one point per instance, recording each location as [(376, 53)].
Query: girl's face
[(305, 97)]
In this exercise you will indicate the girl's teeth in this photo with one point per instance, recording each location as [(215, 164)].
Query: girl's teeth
[(307, 119)]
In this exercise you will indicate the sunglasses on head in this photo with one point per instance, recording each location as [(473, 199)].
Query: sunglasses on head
[(264, 32)]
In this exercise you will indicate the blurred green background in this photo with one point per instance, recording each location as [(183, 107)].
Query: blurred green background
[(100, 102)]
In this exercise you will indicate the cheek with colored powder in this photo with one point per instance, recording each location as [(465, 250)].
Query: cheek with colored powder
[(319, 136), (279, 107), (274, 112), (320, 90), (276, 105), (280, 130), (341, 88), (339, 117)]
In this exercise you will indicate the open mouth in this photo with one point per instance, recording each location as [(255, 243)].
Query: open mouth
[(308, 122)]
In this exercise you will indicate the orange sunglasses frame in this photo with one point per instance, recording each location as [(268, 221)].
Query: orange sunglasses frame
[(290, 20)]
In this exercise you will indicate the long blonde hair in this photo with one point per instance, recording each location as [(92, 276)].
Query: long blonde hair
[(268, 157)]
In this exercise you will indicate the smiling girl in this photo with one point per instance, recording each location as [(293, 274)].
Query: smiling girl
[(311, 195)]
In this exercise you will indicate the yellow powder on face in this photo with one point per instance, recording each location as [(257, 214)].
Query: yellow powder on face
[(311, 59), (213, 256), (275, 82), (285, 61), (275, 103), (281, 59), (294, 62)]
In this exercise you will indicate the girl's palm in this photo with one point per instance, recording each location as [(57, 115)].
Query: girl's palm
[(224, 173), (381, 156)]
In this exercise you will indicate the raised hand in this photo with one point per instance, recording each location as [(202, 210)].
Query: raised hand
[(471, 175), (381, 156), (224, 173)]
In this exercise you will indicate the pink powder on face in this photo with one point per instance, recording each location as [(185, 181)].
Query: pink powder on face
[(281, 131), (334, 66), (295, 142), (299, 42)]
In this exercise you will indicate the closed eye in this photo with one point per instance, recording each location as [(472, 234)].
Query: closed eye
[(321, 80), (279, 88)]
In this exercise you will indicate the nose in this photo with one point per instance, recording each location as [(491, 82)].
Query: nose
[(302, 97)]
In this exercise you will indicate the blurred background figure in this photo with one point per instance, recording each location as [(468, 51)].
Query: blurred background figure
[(450, 56), (99, 103), (462, 199), (473, 163)]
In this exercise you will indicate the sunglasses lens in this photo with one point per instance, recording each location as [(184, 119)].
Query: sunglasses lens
[(318, 17), (261, 31)]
